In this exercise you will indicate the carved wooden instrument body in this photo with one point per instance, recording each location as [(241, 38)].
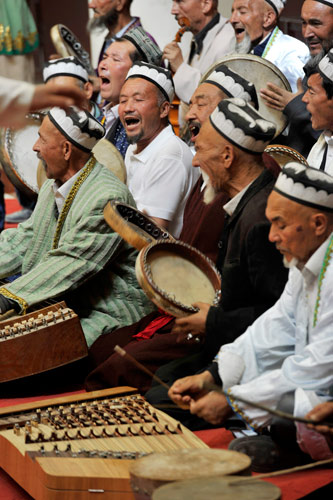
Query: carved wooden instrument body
[(74, 447), (40, 341)]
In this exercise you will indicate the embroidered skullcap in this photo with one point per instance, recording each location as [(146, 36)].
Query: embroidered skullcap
[(242, 125), (78, 126), (325, 66), (306, 185), (233, 84), (160, 77), (326, 2), (149, 51), (67, 66), (278, 5)]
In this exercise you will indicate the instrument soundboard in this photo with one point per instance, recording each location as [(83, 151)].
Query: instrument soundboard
[(80, 447)]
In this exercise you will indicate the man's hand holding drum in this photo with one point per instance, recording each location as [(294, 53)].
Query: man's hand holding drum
[(195, 324)]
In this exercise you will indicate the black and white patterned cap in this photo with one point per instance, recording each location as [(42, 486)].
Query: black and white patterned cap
[(233, 84), (149, 51), (326, 2), (78, 126), (278, 5), (67, 66), (242, 125), (325, 66), (306, 185), (160, 77)]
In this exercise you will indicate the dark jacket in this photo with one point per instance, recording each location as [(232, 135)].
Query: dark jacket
[(253, 275)]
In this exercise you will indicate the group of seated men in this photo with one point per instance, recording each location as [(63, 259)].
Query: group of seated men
[(269, 340)]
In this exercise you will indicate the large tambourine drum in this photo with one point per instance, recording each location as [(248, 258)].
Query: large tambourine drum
[(259, 71), (175, 275), (67, 44), (218, 488), (19, 161), (284, 154), (157, 469), (136, 228), (108, 155)]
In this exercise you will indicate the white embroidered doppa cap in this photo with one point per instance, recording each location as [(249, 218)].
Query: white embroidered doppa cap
[(278, 5), (306, 185), (160, 77), (78, 126), (233, 84), (242, 125), (67, 66)]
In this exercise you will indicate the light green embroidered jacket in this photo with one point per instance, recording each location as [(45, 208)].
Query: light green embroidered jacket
[(93, 269)]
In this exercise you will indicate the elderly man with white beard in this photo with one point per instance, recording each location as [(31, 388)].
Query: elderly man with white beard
[(256, 29), (284, 360)]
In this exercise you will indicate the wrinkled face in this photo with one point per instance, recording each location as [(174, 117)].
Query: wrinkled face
[(192, 10), (101, 7), (292, 230), (202, 104), (209, 145), (49, 149), (140, 112), (317, 24), (113, 69), (247, 16), (318, 104)]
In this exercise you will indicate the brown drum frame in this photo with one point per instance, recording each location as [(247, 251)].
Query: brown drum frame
[(157, 295), (139, 233), (286, 151)]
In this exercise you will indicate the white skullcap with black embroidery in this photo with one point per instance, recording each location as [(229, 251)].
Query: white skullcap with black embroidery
[(233, 84), (78, 126), (325, 66), (242, 125), (160, 77), (305, 185), (67, 66), (278, 5)]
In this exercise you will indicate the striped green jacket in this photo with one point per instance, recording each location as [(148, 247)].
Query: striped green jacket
[(92, 268)]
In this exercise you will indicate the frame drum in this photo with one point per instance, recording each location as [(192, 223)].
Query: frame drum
[(18, 159), (259, 71), (155, 470), (284, 154), (66, 44), (219, 488), (133, 226), (175, 275)]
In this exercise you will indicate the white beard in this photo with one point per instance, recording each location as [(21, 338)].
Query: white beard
[(209, 194), (290, 264), (243, 47)]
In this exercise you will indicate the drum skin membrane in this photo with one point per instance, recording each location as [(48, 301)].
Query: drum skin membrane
[(180, 278)]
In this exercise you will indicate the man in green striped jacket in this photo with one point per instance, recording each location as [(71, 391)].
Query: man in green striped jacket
[(66, 249)]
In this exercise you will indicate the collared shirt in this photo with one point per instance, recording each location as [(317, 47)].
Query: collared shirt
[(111, 114), (260, 48), (329, 156), (310, 272), (61, 192), (232, 204), (161, 177), (198, 39)]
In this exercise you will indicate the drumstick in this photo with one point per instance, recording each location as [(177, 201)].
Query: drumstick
[(157, 379), (277, 413), (216, 388)]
